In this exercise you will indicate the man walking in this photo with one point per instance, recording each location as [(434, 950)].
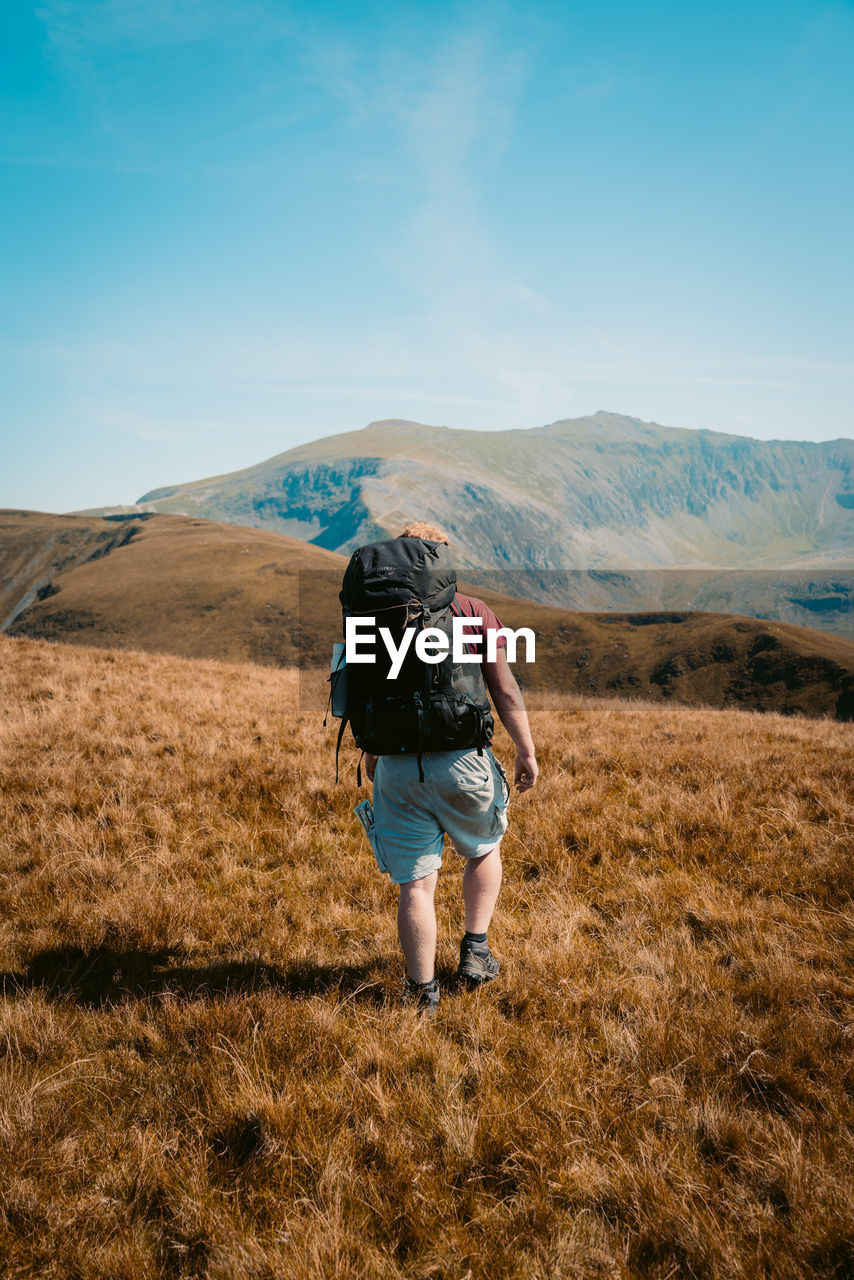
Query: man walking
[(462, 793)]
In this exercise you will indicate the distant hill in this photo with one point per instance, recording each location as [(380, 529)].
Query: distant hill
[(212, 590), (606, 493), (172, 585), (36, 547)]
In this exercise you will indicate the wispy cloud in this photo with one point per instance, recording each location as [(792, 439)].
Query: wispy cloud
[(440, 101), (456, 117), (446, 102), (609, 345)]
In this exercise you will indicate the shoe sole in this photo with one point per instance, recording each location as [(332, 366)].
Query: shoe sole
[(475, 978)]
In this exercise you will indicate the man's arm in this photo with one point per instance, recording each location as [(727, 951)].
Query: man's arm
[(510, 705)]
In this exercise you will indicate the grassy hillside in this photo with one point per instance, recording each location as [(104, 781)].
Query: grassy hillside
[(201, 589), (174, 585), (205, 1071), (35, 547)]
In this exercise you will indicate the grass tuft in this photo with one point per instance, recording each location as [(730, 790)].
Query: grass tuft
[(204, 1067)]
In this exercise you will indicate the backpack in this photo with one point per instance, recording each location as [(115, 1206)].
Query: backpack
[(440, 706)]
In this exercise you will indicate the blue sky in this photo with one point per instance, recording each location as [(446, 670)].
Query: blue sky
[(230, 228)]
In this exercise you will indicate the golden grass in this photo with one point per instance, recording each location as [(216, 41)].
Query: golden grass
[(205, 1071)]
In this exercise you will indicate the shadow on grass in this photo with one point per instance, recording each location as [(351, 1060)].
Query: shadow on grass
[(104, 976)]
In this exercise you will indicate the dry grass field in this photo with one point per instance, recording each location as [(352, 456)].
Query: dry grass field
[(205, 1070)]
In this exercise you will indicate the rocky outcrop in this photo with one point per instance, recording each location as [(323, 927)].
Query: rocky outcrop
[(607, 493)]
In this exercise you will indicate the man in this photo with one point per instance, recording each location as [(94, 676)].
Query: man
[(465, 798)]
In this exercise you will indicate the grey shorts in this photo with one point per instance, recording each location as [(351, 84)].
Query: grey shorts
[(463, 796)]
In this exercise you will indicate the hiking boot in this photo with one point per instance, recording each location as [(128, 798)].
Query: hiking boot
[(423, 996), (477, 963)]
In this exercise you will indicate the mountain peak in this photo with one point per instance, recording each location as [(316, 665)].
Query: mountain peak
[(605, 490), (396, 424)]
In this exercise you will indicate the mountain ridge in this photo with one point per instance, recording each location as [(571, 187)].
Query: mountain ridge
[(605, 492), (399, 425), (608, 490)]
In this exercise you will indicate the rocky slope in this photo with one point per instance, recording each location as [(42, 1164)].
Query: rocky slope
[(605, 493)]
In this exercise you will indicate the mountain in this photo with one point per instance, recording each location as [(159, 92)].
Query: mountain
[(605, 491), (199, 589), (552, 509)]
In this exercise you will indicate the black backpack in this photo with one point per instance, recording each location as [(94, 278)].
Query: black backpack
[(429, 706)]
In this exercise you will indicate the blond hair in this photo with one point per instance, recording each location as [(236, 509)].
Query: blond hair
[(421, 529)]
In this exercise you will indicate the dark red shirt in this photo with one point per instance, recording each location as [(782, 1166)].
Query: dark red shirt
[(471, 607)]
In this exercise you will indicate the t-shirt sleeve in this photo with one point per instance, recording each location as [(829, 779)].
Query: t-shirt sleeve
[(473, 608), (491, 623)]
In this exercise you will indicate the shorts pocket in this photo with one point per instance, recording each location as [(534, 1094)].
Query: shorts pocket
[(376, 845), (499, 819), (500, 767), (365, 813), (499, 808), (470, 773)]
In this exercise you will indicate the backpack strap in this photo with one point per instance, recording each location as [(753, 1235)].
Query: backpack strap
[(481, 737), (344, 722), (419, 711)]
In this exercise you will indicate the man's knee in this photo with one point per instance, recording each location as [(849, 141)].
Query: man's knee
[(493, 855), (424, 885)]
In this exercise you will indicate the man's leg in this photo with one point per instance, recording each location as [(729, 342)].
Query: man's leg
[(481, 883), (416, 926)]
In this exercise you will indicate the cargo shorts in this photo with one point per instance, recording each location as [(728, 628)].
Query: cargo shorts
[(463, 795)]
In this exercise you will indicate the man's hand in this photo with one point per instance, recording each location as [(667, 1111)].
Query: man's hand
[(370, 766), (525, 770)]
